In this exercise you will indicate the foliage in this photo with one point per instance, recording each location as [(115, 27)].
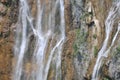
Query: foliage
[(95, 51)]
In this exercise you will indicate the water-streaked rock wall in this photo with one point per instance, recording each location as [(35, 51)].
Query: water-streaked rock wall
[(85, 33)]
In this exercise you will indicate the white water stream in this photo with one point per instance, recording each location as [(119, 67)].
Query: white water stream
[(49, 37), (110, 21)]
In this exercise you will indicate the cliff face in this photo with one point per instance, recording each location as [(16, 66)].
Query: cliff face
[(85, 25), (85, 33), (8, 18)]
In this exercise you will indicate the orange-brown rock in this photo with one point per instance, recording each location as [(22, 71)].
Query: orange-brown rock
[(6, 40)]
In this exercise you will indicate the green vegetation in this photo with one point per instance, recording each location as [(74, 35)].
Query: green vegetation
[(76, 43), (105, 78), (94, 36), (80, 39), (118, 49), (95, 51), (115, 51), (86, 14)]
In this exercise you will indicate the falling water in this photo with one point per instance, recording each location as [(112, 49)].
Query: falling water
[(47, 30), (112, 17)]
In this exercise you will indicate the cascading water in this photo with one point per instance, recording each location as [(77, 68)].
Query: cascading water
[(112, 17), (48, 35)]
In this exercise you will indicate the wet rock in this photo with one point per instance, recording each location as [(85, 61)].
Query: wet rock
[(77, 11), (114, 68)]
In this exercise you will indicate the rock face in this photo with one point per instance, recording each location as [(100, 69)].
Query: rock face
[(114, 65), (114, 68), (85, 33), (86, 20), (8, 18)]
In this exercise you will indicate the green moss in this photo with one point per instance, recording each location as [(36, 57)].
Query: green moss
[(118, 49), (94, 36), (86, 14), (95, 51), (105, 78), (80, 39), (75, 45)]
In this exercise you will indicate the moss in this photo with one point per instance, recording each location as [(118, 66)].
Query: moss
[(76, 43), (75, 48), (95, 51), (105, 78), (94, 36), (80, 39), (115, 51), (118, 49), (86, 14)]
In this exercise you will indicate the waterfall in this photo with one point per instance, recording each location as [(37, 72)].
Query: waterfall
[(47, 31), (110, 21)]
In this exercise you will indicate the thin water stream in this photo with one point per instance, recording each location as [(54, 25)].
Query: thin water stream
[(112, 17)]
